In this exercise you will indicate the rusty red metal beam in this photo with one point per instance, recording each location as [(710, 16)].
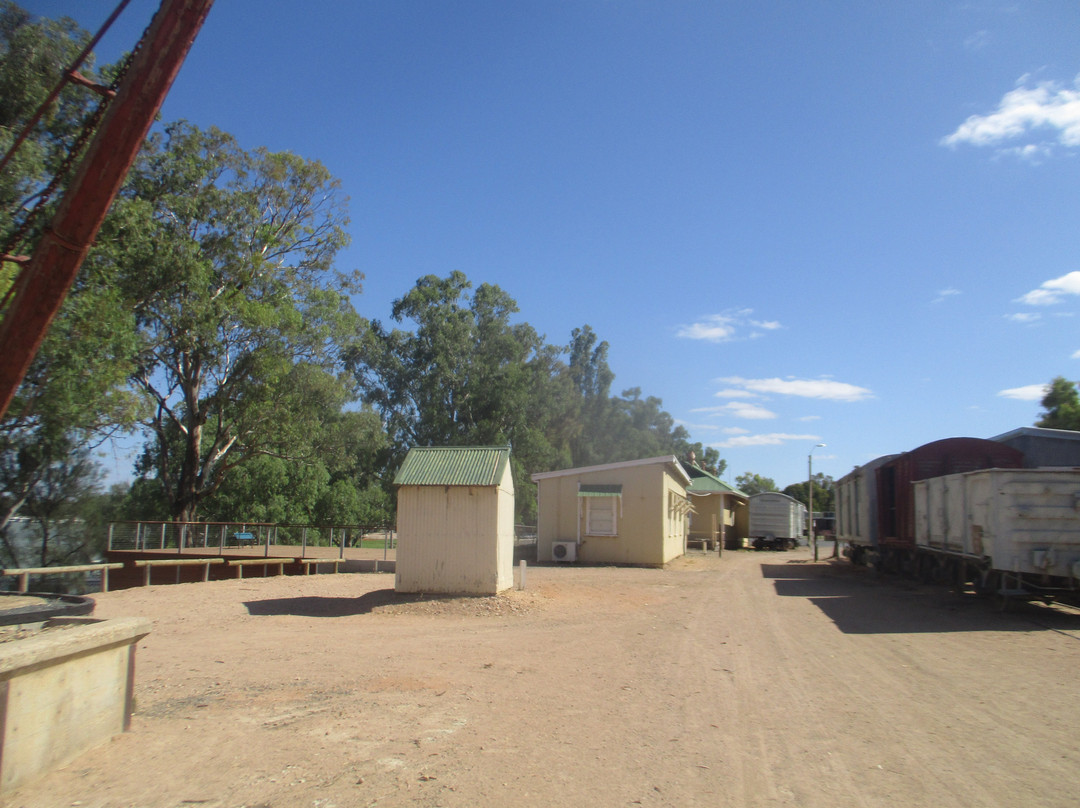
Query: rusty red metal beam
[(44, 281)]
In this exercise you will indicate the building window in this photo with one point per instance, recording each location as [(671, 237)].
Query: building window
[(600, 516)]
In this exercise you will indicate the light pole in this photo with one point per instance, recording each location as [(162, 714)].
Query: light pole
[(810, 497)]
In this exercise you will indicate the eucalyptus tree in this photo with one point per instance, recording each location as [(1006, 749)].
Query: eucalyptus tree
[(824, 492), (461, 376), (750, 483), (462, 373), (1061, 404), (226, 259)]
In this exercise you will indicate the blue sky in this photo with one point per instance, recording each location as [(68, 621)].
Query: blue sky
[(846, 223)]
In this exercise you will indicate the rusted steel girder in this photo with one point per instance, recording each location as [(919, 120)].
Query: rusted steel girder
[(45, 279)]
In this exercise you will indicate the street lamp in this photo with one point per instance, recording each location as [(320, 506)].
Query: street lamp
[(810, 497)]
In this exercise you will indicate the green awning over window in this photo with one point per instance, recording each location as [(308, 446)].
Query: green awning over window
[(599, 490)]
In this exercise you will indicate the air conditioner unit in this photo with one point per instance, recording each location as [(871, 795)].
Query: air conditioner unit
[(564, 551)]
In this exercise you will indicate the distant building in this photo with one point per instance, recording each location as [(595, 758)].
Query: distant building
[(720, 516), (455, 521), (633, 512)]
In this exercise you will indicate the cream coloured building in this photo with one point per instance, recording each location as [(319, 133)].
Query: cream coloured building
[(455, 520), (721, 515), (634, 512)]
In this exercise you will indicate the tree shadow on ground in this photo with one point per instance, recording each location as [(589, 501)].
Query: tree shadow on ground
[(860, 601), (337, 607)]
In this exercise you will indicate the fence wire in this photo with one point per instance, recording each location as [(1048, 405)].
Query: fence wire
[(153, 535)]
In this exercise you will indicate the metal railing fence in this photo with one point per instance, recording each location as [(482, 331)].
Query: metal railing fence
[(157, 535)]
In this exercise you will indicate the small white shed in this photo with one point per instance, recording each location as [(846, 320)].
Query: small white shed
[(455, 520)]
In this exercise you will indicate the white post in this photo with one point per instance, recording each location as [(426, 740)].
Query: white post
[(521, 581), (810, 498)]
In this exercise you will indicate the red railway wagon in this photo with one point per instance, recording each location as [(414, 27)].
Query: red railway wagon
[(895, 500)]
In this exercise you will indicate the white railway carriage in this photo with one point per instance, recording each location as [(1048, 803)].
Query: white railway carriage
[(1012, 531), (776, 521)]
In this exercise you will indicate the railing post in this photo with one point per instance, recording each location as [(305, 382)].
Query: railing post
[(105, 578), (24, 582), (163, 526), (109, 545)]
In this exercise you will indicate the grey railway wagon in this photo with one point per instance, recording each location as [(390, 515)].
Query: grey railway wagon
[(776, 520)]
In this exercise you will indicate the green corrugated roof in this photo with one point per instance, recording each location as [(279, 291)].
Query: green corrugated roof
[(702, 482), (453, 465)]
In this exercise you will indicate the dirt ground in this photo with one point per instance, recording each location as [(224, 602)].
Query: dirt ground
[(753, 679)]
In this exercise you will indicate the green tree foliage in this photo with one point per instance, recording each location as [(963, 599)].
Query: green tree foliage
[(339, 485), (225, 257), (1062, 405), (466, 375), (750, 483), (705, 457), (824, 493), (627, 427)]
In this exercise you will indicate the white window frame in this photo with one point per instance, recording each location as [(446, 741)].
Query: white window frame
[(592, 505)]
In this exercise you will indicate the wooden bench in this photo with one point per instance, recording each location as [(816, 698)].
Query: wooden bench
[(240, 563), (244, 538), (149, 563)]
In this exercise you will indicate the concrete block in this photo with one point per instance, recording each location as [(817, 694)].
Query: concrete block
[(64, 691)]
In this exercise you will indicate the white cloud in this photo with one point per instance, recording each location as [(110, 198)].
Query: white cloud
[(768, 325), (731, 392), (1030, 392), (740, 409), (744, 409), (735, 430), (697, 427), (766, 439), (809, 418), (804, 388), (977, 41), (726, 326), (716, 328), (1044, 106), (1053, 291), (945, 294), (1024, 317), (1076, 355)]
